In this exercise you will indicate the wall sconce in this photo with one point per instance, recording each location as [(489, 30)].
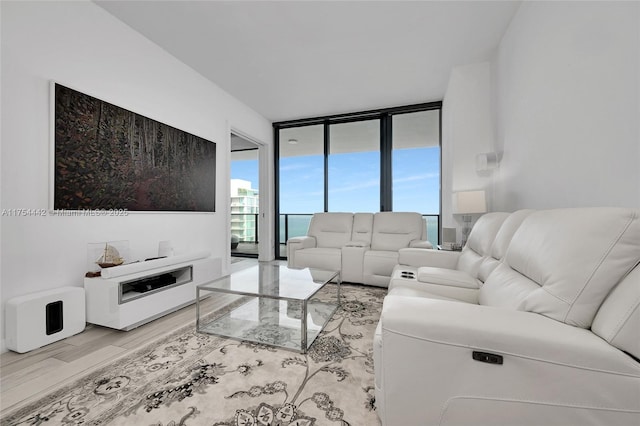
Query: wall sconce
[(487, 161), (467, 203)]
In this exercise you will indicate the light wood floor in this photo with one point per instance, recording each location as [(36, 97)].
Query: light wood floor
[(26, 377)]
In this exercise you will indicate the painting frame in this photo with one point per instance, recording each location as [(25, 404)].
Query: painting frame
[(109, 158)]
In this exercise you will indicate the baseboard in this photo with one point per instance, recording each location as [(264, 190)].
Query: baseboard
[(3, 347)]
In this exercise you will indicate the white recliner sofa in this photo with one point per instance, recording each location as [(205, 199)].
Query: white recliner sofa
[(458, 273), (362, 246), (552, 337)]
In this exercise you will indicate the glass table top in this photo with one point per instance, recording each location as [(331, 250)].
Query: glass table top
[(273, 280)]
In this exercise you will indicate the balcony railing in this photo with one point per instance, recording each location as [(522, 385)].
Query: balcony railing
[(250, 222)]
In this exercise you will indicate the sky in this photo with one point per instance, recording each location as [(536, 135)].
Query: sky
[(354, 181)]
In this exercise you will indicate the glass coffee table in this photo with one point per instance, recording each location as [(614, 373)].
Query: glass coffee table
[(275, 305)]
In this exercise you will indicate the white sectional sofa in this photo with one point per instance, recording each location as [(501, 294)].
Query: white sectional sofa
[(458, 273), (535, 322), (363, 246)]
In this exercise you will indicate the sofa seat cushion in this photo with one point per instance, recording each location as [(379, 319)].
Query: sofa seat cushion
[(450, 277), (415, 292), (414, 288), (319, 258)]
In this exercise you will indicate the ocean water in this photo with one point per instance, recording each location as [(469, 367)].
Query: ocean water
[(432, 230), (299, 225)]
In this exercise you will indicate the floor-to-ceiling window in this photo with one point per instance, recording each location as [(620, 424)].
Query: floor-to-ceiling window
[(354, 166), (416, 166), (300, 168), (383, 160)]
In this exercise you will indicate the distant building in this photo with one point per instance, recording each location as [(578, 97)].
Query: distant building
[(244, 210)]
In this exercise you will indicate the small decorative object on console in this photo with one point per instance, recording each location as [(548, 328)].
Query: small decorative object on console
[(450, 246), (106, 255), (110, 257)]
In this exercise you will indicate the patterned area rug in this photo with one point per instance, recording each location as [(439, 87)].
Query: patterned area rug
[(188, 378)]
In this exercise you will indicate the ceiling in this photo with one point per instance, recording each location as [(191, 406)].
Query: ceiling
[(298, 59)]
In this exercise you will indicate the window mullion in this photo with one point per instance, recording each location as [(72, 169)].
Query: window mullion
[(386, 198), (327, 141)]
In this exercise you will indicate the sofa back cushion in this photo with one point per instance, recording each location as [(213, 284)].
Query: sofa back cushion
[(479, 243), (395, 230), (618, 319), (331, 230), (501, 242), (362, 227), (563, 263)]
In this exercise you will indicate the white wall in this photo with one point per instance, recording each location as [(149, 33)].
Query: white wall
[(567, 106), (466, 132), (80, 45)]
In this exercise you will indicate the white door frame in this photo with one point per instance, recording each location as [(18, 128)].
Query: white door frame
[(266, 227)]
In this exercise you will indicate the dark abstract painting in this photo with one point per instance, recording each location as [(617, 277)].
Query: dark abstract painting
[(107, 157)]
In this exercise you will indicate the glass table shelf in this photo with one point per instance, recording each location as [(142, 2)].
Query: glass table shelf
[(273, 305)]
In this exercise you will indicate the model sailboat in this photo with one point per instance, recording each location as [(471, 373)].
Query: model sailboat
[(110, 257)]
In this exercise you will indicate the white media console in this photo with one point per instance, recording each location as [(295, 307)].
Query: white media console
[(128, 296)]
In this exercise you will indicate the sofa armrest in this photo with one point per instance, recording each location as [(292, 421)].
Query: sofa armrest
[(352, 261), (502, 331), (422, 244), (549, 368), (298, 243), (302, 242), (417, 257)]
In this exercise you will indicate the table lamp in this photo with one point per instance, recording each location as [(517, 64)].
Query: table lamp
[(467, 203)]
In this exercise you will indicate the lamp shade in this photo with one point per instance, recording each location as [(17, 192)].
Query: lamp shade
[(469, 202)]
